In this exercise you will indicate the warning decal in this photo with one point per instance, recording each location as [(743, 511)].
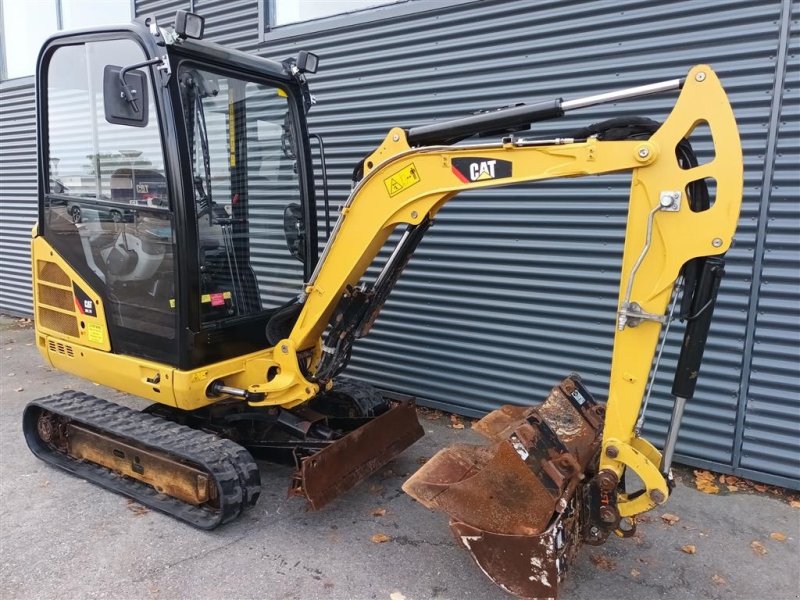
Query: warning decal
[(402, 180), (95, 333)]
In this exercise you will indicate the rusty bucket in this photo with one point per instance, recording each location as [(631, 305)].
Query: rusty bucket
[(517, 503)]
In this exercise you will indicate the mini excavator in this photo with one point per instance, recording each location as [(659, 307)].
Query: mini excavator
[(176, 258)]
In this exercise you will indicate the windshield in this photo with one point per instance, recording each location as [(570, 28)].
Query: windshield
[(245, 178)]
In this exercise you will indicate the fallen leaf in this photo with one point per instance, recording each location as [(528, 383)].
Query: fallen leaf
[(137, 509), (431, 414), (378, 512), (794, 503), (758, 548), (455, 422), (778, 536), (602, 561), (19, 389), (635, 573), (760, 487), (689, 549), (644, 518), (670, 519), (706, 481), (732, 488), (380, 538), (718, 580)]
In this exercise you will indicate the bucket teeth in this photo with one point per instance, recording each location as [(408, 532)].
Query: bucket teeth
[(516, 504)]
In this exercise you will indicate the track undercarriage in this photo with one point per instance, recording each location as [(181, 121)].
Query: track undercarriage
[(198, 466)]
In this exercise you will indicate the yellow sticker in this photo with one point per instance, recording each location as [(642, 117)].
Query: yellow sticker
[(172, 302), (231, 128), (94, 333), (401, 180), (282, 93)]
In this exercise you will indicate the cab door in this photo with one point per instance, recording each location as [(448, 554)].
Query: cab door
[(105, 205)]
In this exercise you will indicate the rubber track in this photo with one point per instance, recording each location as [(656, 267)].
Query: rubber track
[(230, 465)]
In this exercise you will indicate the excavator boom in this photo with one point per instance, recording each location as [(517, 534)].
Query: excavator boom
[(552, 448)]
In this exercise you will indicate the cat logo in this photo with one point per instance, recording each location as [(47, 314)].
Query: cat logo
[(84, 304), (469, 169)]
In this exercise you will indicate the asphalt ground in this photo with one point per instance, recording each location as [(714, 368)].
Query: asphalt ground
[(61, 537)]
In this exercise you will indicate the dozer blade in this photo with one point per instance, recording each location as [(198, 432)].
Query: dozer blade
[(517, 504), (341, 465)]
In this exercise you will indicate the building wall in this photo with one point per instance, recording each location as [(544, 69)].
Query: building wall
[(515, 287)]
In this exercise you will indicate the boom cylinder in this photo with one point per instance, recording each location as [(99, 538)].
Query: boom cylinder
[(456, 129), (447, 132)]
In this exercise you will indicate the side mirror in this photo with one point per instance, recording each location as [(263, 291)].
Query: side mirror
[(125, 96), (294, 231)]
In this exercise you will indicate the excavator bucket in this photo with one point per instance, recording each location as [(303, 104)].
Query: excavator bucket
[(517, 505)]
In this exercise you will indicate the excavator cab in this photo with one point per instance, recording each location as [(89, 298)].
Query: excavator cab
[(185, 196), (177, 227)]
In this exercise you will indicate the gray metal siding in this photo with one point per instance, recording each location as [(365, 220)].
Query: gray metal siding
[(17, 196), (516, 286), (771, 429)]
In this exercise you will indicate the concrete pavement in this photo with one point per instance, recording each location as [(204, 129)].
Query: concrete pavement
[(61, 537)]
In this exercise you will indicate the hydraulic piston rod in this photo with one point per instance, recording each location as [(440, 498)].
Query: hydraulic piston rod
[(627, 93), (524, 114)]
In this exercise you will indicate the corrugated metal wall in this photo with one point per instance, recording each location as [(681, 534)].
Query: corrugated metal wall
[(513, 288), (769, 435), (17, 196)]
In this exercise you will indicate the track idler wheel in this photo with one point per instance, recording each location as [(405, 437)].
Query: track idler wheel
[(517, 505)]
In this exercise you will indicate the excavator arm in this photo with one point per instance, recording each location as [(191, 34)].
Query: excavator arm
[(405, 183)]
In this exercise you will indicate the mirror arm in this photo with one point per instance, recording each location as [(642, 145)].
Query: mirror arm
[(127, 92)]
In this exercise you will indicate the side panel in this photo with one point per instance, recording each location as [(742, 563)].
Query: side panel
[(66, 306)]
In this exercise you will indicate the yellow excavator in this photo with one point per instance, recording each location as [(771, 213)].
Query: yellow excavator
[(176, 258)]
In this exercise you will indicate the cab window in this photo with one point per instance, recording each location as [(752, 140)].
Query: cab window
[(107, 210), (251, 236)]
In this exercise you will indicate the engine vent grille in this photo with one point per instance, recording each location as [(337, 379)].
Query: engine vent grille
[(50, 272), (57, 321), (55, 308), (57, 297), (61, 348)]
